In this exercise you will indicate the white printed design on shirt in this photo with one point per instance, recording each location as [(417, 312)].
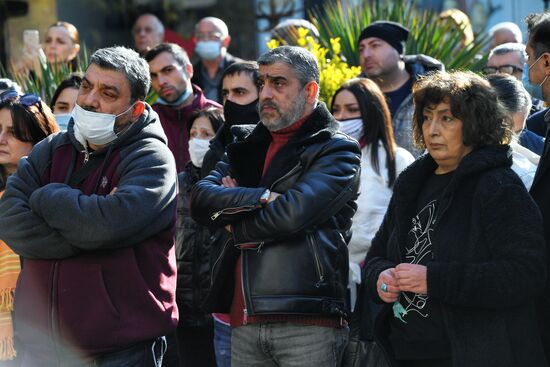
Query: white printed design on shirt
[(422, 228)]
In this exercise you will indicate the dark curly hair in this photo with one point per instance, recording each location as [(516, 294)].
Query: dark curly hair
[(472, 100)]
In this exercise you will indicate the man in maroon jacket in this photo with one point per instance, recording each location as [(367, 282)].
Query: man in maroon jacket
[(93, 212), (171, 73)]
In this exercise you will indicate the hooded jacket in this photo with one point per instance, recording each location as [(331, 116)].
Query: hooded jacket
[(99, 267), (489, 259), (294, 249)]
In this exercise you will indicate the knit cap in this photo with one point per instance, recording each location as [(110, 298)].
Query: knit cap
[(393, 33)]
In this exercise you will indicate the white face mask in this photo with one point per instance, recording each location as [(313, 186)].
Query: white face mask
[(208, 50), (353, 128), (197, 150), (94, 127)]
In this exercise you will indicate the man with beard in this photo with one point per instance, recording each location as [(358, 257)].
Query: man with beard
[(171, 73), (381, 48), (240, 107), (286, 193)]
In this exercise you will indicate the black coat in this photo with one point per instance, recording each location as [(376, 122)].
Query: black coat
[(541, 194), (300, 261), (193, 246), (490, 260)]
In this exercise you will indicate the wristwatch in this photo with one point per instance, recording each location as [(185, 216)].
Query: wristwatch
[(265, 196)]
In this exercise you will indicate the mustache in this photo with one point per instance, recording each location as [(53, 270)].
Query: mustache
[(269, 104)]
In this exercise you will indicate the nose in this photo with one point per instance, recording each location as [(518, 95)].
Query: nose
[(266, 92), (433, 128), (3, 138), (161, 79), (89, 100)]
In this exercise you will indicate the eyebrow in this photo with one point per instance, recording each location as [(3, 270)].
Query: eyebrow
[(102, 86), (273, 78)]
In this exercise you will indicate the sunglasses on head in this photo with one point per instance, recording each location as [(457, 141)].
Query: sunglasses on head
[(26, 100)]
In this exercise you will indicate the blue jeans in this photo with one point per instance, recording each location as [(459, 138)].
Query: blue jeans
[(288, 345), (143, 355), (222, 344)]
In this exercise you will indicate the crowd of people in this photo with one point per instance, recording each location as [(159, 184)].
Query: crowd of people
[(238, 220)]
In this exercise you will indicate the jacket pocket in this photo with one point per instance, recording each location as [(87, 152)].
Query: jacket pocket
[(316, 259), (86, 294)]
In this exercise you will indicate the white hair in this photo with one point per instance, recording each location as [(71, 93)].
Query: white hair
[(218, 23), (508, 26)]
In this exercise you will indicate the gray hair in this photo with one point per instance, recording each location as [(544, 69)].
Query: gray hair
[(509, 47), (299, 59), (218, 23), (158, 24), (127, 62), (508, 26), (511, 93)]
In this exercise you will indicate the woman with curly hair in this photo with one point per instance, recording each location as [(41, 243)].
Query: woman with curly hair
[(460, 255)]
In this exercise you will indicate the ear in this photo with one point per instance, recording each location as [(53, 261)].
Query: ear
[(546, 58), (312, 89), (189, 70), (76, 50), (226, 41), (139, 107)]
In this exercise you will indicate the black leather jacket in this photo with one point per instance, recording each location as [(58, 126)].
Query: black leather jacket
[(294, 249)]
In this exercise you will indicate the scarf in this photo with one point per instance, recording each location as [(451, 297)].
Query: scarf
[(10, 267)]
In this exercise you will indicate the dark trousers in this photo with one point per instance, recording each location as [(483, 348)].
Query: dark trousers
[(196, 346), (191, 347)]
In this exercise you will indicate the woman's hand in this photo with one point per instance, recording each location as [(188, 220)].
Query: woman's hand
[(387, 287), (412, 278)]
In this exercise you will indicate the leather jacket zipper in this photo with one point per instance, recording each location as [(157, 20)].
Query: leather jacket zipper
[(317, 260), (220, 256), (235, 210), (245, 310)]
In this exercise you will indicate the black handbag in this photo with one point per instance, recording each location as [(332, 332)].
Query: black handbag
[(362, 350)]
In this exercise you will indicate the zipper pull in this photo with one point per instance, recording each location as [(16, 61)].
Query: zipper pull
[(245, 316), (86, 156), (216, 215)]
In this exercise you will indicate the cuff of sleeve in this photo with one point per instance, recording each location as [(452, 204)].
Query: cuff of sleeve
[(241, 241)]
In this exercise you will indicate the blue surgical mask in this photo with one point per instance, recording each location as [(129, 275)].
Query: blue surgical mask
[(535, 90), (178, 101), (208, 50), (62, 120)]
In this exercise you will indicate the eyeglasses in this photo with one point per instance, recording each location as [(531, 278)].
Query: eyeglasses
[(208, 36), (504, 69)]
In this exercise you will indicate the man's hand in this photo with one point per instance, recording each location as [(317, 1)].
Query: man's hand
[(387, 287), (228, 181), (412, 278)]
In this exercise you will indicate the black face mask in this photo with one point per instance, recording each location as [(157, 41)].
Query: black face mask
[(237, 114)]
